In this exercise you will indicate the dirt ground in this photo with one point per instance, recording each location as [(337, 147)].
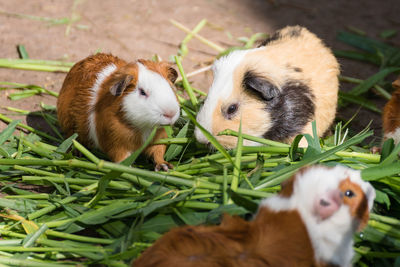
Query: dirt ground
[(140, 28)]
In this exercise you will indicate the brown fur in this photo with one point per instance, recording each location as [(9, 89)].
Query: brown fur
[(271, 239), (358, 204), (391, 112), (303, 58), (287, 186), (117, 138)]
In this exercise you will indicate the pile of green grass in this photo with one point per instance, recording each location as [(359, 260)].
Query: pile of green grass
[(59, 209)]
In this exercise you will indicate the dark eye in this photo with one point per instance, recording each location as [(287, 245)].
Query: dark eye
[(232, 109), (349, 194), (142, 92)]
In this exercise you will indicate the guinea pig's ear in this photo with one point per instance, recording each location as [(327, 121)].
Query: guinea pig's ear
[(171, 73), (287, 187), (119, 83), (259, 84)]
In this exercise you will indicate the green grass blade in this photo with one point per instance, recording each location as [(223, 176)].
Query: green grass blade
[(285, 173), (238, 156), (209, 136), (371, 81), (186, 84), (22, 52), (7, 132)]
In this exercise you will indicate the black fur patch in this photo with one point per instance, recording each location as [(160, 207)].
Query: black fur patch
[(290, 111), (296, 69), (274, 37), (293, 32)]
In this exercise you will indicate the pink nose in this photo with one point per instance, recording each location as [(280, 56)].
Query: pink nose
[(327, 204), (169, 114)]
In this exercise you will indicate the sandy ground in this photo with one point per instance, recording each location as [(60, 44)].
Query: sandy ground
[(139, 29)]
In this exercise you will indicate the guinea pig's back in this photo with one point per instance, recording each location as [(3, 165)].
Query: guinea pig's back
[(302, 56), (78, 90)]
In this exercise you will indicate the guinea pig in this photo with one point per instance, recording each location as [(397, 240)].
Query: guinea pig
[(275, 90), (391, 115), (113, 105), (310, 223)]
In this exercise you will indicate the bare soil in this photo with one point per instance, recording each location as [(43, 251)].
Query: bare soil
[(135, 29)]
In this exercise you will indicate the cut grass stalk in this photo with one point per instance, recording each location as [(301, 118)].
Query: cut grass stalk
[(169, 141), (31, 196), (183, 47), (53, 249), (385, 219), (31, 263), (80, 238), (16, 64), (36, 88), (186, 84), (78, 181), (253, 138), (86, 152), (194, 73), (213, 45), (37, 171), (238, 158)]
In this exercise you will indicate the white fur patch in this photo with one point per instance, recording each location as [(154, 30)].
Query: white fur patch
[(101, 76), (145, 112), (221, 88), (332, 238), (395, 135)]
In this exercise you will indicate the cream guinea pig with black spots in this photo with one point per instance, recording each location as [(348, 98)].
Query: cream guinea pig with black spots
[(114, 105), (276, 90)]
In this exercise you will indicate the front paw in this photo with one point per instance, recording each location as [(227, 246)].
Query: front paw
[(165, 166)]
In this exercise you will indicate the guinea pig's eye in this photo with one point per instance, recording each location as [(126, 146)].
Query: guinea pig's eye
[(142, 92), (232, 109), (349, 193)]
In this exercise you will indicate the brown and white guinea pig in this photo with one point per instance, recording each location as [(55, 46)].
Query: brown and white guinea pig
[(391, 115), (114, 105), (277, 89), (310, 223)]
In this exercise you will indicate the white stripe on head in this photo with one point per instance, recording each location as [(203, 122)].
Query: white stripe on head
[(100, 77), (221, 88)]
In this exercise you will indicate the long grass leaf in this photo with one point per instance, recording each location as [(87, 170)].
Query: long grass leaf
[(285, 173)]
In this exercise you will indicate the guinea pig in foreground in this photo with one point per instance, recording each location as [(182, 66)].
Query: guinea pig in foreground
[(391, 115), (114, 105), (310, 223), (277, 90)]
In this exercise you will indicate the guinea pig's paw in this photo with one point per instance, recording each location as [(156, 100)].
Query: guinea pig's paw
[(165, 166), (376, 150)]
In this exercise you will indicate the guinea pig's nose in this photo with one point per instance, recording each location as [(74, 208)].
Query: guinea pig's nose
[(169, 114)]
